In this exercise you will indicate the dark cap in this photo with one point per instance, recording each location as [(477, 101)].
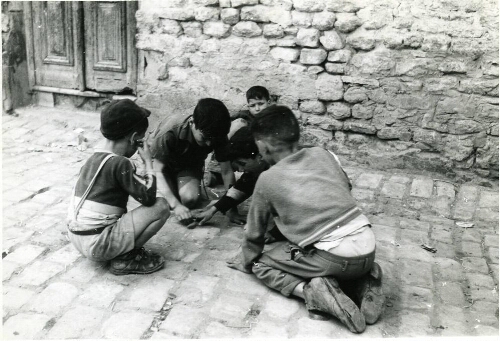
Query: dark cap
[(119, 118)]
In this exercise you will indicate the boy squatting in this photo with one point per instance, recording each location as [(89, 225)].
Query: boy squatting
[(99, 225), (329, 243)]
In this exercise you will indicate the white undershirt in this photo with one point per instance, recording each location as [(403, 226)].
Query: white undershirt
[(333, 239)]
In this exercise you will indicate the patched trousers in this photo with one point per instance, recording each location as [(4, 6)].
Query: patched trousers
[(286, 265)]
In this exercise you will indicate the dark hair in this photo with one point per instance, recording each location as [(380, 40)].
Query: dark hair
[(242, 145), (212, 118), (257, 92), (277, 124)]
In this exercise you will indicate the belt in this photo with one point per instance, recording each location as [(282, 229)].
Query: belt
[(88, 232)]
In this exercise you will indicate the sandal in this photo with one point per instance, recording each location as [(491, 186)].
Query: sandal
[(136, 261)]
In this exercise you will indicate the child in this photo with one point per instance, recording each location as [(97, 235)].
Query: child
[(180, 146), (328, 239), (99, 225), (244, 157), (257, 99)]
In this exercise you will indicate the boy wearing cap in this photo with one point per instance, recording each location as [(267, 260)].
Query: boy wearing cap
[(180, 146), (99, 225)]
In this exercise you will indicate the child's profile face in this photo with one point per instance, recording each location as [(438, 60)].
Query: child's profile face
[(257, 105), (248, 165)]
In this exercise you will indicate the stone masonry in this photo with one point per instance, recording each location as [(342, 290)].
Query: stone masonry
[(390, 83), (51, 292)]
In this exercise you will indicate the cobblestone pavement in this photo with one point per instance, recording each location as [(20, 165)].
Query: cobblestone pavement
[(51, 292)]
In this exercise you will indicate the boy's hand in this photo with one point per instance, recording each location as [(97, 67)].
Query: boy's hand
[(182, 212), (143, 149), (235, 217), (202, 217)]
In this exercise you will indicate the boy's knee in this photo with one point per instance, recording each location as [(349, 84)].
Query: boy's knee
[(189, 198), (162, 207)]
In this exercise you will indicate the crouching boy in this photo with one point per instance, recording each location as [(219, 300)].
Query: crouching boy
[(99, 226), (328, 239)]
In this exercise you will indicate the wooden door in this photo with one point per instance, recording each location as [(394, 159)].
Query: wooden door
[(55, 43), (111, 57)]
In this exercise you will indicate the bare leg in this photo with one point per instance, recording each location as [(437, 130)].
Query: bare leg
[(189, 191), (149, 220), (299, 290)]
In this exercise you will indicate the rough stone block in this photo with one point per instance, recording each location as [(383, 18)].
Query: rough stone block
[(257, 13), (192, 29), (452, 319), (329, 87), (492, 253), (483, 294), (170, 26), (445, 189), (362, 111), (347, 22), (324, 122), (239, 3), (314, 70), (331, 40), (182, 321), (247, 29), (471, 249), (284, 4), (340, 56), (308, 5), (315, 107), (393, 190), (273, 31), (449, 269), (126, 325), (181, 14), (216, 29), (360, 81), (25, 326), (206, 13), (422, 188), (356, 95), (339, 110), (54, 298), (301, 19), (25, 254), (308, 37), (312, 56), (335, 68), (286, 54), (480, 280), (451, 293), (230, 16), (323, 21), (488, 199), (491, 240)]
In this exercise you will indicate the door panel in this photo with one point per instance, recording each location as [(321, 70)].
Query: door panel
[(110, 46), (55, 26)]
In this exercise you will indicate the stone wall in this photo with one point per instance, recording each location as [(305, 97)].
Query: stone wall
[(14, 66), (392, 83)]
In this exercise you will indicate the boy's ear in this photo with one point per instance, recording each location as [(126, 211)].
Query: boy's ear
[(132, 137)]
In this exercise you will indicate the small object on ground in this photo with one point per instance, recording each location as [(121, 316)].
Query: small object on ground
[(81, 143), (464, 224), (429, 248)]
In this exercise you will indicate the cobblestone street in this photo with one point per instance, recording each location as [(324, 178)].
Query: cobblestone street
[(51, 292)]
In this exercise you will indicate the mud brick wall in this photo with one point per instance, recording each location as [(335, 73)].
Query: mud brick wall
[(14, 66), (391, 83)]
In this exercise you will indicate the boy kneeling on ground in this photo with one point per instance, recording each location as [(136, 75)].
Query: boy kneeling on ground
[(329, 241), (99, 225)]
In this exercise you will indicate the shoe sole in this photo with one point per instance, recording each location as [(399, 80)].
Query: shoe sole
[(356, 321), (136, 272), (374, 308)]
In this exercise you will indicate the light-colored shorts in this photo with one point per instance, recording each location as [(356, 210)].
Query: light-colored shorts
[(114, 240)]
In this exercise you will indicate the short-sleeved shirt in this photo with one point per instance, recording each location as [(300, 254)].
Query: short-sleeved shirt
[(173, 144)]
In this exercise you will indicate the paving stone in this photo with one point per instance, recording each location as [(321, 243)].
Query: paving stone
[(231, 309), (38, 273), (182, 321), (416, 273), (43, 222), (15, 133), (218, 330), (471, 249), (266, 329), (441, 206), (363, 194), (492, 253), (332, 329), (201, 234), (417, 298), (148, 295), (494, 272), (280, 307), (491, 240), (393, 190), (26, 210), (47, 198), (487, 215), (16, 195), (452, 320), (212, 267), (483, 294), (385, 220), (76, 323), (465, 202), (422, 188), (36, 185), (53, 237), (8, 269), (225, 243), (196, 289), (475, 264), (485, 313), (246, 284), (451, 293), (442, 234), (24, 326), (66, 255), (126, 325), (445, 189), (13, 236), (368, 180), (53, 298), (416, 252), (415, 324), (488, 199), (386, 250), (384, 233), (412, 237), (182, 252), (100, 294), (25, 254), (486, 330), (165, 336), (479, 280), (472, 235), (175, 270), (14, 298)]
